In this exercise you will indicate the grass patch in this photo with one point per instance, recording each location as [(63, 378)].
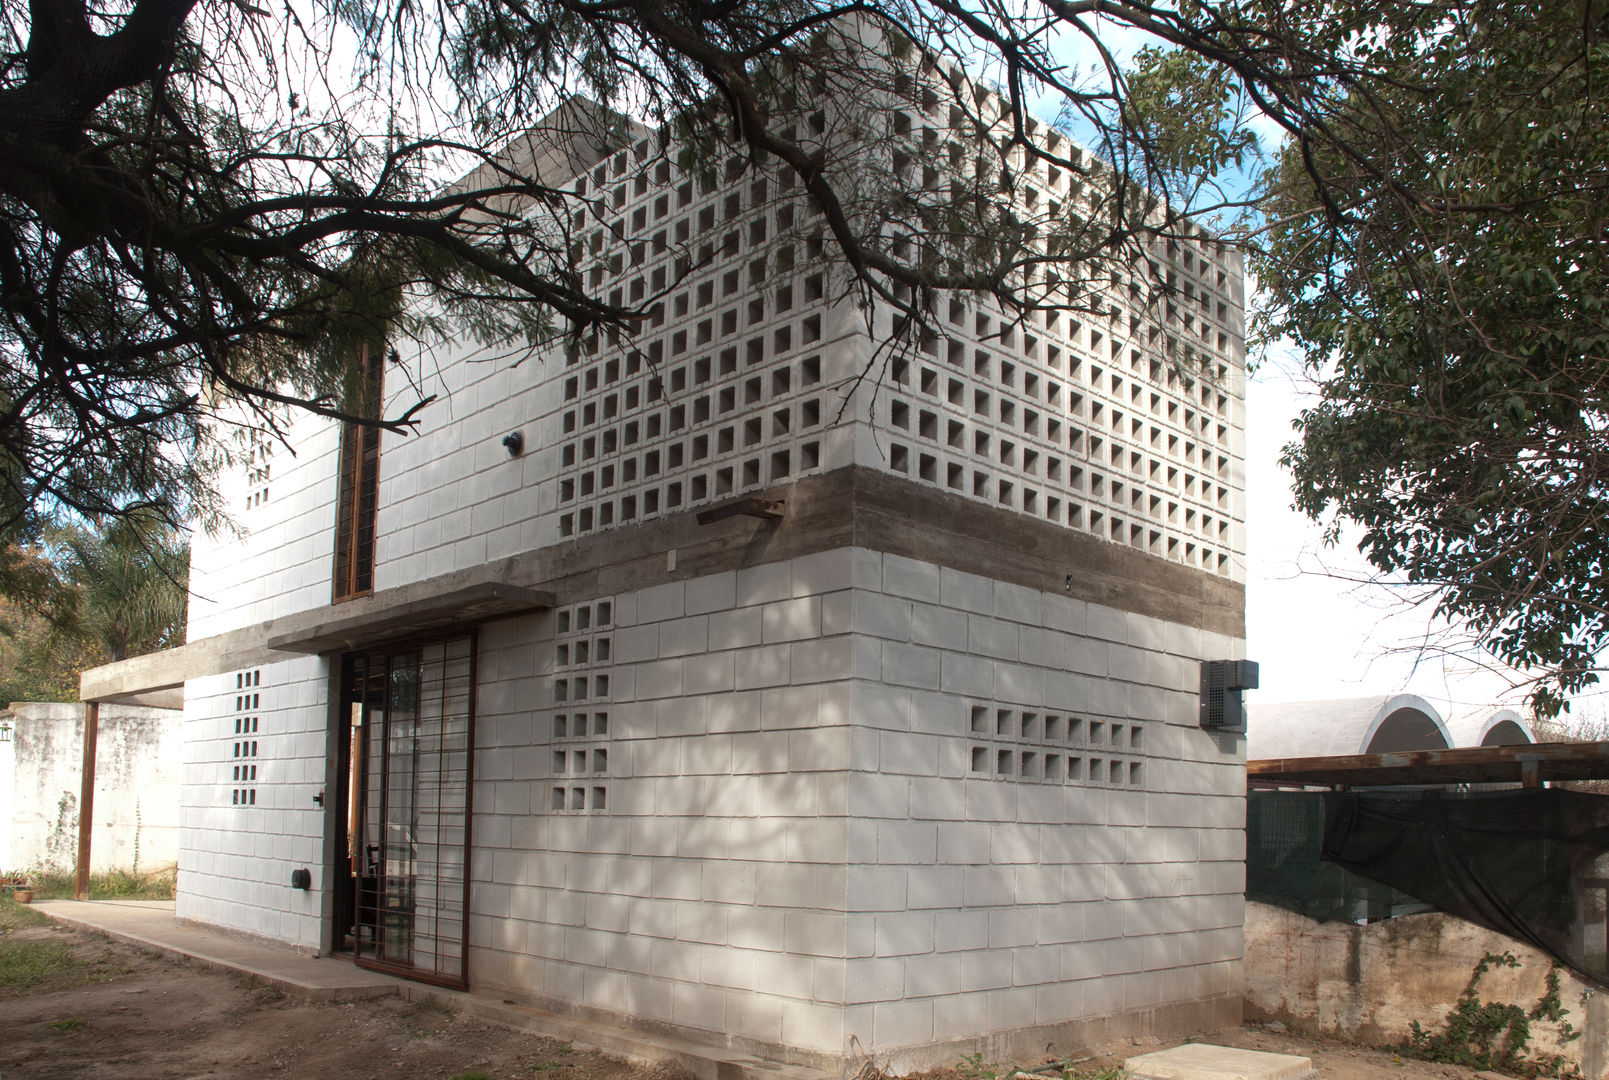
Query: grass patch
[(15, 916), (114, 885), (71, 1023), (29, 963)]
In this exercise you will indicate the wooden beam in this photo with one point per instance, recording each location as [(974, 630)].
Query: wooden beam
[(86, 797), (765, 509), (1529, 764)]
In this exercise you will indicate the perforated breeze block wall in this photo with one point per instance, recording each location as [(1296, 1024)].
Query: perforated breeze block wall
[(851, 801), (254, 756)]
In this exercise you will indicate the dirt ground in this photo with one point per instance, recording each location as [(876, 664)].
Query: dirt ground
[(107, 1010)]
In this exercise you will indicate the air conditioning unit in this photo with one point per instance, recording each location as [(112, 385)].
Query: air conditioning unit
[(1222, 707)]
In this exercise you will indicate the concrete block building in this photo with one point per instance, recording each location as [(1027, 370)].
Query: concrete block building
[(748, 697)]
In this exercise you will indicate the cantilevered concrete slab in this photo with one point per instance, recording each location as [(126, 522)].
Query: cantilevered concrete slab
[(394, 614), (1200, 1061), (442, 604)]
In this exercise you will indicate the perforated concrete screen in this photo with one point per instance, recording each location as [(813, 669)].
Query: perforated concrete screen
[(1122, 421)]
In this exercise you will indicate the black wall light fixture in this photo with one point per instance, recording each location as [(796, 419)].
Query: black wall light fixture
[(1223, 707), (514, 443)]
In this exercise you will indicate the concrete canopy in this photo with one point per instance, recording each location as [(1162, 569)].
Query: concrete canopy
[(1370, 725)]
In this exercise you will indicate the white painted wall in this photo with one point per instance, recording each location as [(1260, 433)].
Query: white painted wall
[(136, 788)]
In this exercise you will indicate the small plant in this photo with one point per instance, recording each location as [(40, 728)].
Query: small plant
[(71, 1023), (112, 885), (1493, 1035), (470, 1074), (973, 1067)]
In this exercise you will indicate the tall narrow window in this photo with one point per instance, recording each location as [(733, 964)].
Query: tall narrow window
[(359, 489)]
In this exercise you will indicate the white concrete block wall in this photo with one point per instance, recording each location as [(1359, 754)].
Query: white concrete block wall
[(795, 848), (277, 556), (241, 834), (710, 890), (987, 902)]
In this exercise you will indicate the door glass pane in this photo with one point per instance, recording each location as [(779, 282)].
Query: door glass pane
[(417, 788)]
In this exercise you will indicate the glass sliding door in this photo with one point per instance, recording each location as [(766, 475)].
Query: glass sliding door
[(411, 737)]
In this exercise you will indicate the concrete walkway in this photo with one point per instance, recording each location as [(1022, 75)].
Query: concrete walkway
[(151, 924)]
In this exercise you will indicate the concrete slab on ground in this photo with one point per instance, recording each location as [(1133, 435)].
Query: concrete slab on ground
[(152, 925), (1201, 1061)]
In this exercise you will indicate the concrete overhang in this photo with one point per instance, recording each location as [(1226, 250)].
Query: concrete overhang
[(439, 605), (393, 615)]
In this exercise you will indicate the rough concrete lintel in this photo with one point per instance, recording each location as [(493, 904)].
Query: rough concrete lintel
[(853, 506)]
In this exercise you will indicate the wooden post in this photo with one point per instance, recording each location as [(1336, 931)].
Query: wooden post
[(86, 797)]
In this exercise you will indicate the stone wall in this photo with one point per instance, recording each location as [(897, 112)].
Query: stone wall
[(1372, 983)]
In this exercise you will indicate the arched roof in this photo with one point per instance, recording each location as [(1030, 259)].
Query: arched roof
[(1371, 725), (1490, 727)]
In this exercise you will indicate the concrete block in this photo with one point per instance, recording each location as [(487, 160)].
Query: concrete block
[(809, 933), (716, 592), (903, 1023), (966, 675), (883, 616), (660, 602), (985, 970), (910, 579), (879, 706), (734, 712), (684, 637), (697, 1006), (659, 679), (963, 843), (908, 843), (941, 627), (874, 979), (764, 584), (838, 612), (763, 665), (824, 660), (968, 592), (1018, 603), (812, 1026), (1011, 927), (873, 888), (823, 572), (734, 629), (790, 620), (711, 673), (988, 636), (873, 795)]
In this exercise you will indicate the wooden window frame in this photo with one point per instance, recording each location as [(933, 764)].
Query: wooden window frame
[(358, 485)]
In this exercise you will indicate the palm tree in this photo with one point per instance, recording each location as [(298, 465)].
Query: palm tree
[(127, 585)]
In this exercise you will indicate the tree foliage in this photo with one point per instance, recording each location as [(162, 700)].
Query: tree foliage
[(208, 207), (87, 598), (205, 203), (1449, 283)]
